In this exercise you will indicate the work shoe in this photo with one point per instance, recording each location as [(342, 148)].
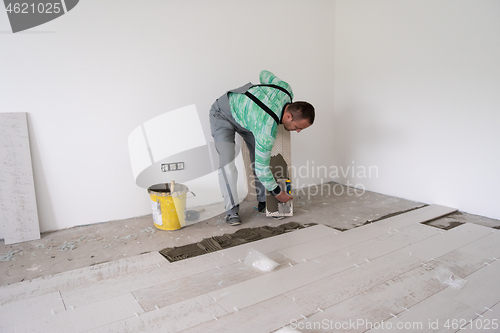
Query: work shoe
[(261, 208), (233, 219)]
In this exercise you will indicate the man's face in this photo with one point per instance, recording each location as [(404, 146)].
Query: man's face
[(294, 125)]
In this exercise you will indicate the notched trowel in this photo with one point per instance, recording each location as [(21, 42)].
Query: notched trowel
[(285, 208), (274, 208)]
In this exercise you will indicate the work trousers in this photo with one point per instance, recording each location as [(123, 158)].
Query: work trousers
[(223, 128)]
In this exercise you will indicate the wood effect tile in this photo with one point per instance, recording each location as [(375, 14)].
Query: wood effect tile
[(481, 289), (356, 314), (79, 277), (488, 320), (265, 316), (430, 315), (405, 290), (461, 263), (143, 279), (178, 290), (29, 309), (420, 215), (276, 243), (275, 283), (172, 318), (420, 283), (19, 220), (341, 286), (488, 246), (392, 240), (448, 241), (85, 317), (332, 243)]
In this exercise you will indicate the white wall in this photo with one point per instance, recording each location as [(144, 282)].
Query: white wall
[(88, 78), (417, 94)]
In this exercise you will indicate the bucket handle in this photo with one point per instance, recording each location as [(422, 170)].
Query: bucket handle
[(192, 194)]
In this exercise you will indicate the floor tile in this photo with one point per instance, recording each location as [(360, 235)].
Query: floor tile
[(151, 277), (79, 277), (481, 289), (448, 241), (343, 285), (276, 243), (419, 215), (265, 316), (172, 318), (355, 314), (31, 308), (433, 314), (84, 318), (488, 320), (332, 243)]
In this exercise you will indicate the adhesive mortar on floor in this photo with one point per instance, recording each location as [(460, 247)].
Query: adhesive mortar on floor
[(216, 243)]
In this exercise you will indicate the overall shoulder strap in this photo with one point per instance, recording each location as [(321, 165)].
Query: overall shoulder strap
[(262, 105), (276, 87)]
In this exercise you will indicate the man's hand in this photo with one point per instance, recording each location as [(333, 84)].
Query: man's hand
[(283, 197)]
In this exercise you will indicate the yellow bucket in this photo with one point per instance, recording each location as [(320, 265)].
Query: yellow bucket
[(169, 209)]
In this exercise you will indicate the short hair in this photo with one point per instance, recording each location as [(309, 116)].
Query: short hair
[(302, 110)]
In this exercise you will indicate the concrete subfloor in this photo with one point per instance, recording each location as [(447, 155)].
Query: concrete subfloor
[(333, 205)]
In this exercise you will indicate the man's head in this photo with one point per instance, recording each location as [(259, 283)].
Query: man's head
[(298, 116)]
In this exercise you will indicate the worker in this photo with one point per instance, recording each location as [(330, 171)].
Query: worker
[(254, 111)]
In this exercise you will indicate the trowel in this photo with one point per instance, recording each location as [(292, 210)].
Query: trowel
[(285, 185)]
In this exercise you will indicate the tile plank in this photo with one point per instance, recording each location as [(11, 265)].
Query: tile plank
[(449, 241), (431, 315), (410, 288), (275, 283), (332, 243), (481, 289), (356, 314), (276, 243), (489, 322), (29, 309), (266, 316), (392, 240), (151, 277), (84, 318), (79, 277), (341, 286), (405, 290), (172, 318), (420, 215), (488, 245), (178, 290), (19, 222)]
